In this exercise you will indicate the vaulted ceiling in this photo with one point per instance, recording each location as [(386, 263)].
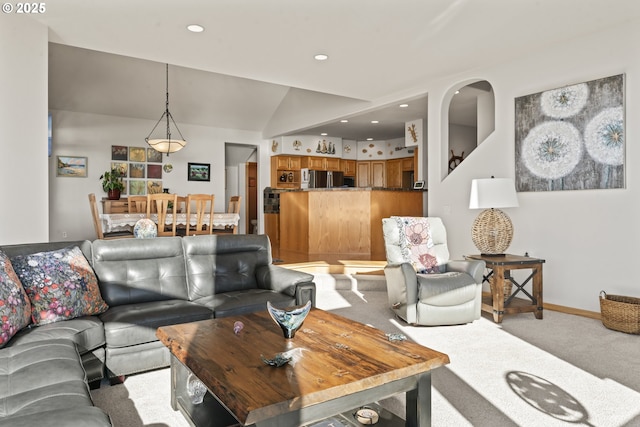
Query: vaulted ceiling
[(256, 56)]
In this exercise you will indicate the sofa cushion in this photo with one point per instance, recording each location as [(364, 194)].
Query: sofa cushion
[(39, 381), (224, 263), (87, 332), (447, 289), (133, 324), (132, 271), (15, 307), (61, 285), (248, 301)]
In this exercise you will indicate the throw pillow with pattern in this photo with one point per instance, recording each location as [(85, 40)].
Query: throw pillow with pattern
[(416, 244), (61, 285), (15, 307)]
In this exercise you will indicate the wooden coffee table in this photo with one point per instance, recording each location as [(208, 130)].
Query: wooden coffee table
[(338, 365)]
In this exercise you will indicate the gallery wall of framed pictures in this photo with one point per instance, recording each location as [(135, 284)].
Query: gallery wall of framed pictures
[(141, 168)]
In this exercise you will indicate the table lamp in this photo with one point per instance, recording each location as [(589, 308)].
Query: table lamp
[(492, 230)]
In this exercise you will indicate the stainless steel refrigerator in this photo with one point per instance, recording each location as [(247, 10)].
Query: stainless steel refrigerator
[(325, 179)]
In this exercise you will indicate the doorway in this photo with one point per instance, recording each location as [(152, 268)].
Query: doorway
[(241, 172)]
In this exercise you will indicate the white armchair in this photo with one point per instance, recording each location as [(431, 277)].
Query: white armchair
[(424, 287)]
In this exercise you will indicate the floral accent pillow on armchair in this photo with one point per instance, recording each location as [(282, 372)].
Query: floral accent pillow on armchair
[(15, 307), (416, 244), (61, 285)]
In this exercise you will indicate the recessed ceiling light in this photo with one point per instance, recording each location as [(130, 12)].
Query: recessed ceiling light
[(374, 121), (195, 28), (324, 134), (344, 121), (369, 139), (321, 57), (404, 105)]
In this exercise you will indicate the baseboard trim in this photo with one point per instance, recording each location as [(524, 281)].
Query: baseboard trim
[(571, 310)]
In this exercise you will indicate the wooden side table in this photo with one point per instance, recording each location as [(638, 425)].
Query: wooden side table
[(500, 274)]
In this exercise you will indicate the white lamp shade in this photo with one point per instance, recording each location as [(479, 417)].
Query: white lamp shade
[(493, 193), (165, 146)]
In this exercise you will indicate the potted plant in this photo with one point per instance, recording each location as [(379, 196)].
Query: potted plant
[(112, 183)]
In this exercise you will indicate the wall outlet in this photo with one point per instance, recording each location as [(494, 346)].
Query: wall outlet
[(64, 234)]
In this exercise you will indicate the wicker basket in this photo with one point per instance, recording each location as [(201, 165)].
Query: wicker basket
[(620, 313)]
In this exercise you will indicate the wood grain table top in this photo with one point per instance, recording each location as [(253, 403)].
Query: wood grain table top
[(332, 356)]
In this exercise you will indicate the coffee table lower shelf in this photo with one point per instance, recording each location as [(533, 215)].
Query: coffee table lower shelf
[(210, 413)]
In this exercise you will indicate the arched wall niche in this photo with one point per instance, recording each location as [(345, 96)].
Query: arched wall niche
[(469, 112)]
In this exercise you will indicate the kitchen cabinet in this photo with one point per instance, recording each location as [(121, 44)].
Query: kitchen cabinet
[(317, 163), (348, 167), (332, 164), (287, 162), (394, 173), (371, 173), (407, 164), (313, 163), (285, 172)]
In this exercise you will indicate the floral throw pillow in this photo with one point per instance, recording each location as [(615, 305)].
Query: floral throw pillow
[(61, 285), (15, 307), (416, 244)]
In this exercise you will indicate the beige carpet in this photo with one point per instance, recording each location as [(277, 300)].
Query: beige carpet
[(560, 371)]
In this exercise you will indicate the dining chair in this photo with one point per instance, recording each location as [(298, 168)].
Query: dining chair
[(97, 223), (137, 204), (233, 207), (164, 204), (200, 205)]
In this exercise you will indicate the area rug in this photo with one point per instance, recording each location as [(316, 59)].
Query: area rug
[(560, 371)]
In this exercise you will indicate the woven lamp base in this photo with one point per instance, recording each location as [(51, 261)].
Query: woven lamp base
[(492, 232)]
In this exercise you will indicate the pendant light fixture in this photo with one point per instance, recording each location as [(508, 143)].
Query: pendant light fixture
[(165, 144)]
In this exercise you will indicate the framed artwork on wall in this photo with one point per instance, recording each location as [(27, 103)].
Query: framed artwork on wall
[(154, 171), (154, 156), (198, 171), (137, 154), (154, 187), (119, 152), (571, 138), (71, 166), (137, 187), (137, 170)]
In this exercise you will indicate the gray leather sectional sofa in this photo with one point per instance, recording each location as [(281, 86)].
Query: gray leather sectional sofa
[(147, 283)]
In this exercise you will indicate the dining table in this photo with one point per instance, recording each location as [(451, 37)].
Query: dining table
[(126, 221)]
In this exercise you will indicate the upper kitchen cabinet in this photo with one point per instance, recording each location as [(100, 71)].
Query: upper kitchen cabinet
[(318, 163), (348, 167), (285, 172), (287, 162)]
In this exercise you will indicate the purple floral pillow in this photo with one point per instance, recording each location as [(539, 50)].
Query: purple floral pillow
[(15, 308), (61, 285)]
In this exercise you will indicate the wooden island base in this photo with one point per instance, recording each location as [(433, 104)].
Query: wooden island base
[(341, 221)]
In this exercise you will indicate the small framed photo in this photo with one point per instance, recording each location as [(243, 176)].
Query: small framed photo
[(137, 154), (137, 187), (137, 170), (418, 185), (199, 172), (154, 156), (154, 171), (71, 166), (119, 152)]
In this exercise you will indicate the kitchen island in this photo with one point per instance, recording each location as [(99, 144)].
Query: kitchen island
[(342, 221)]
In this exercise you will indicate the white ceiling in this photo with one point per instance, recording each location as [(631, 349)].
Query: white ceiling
[(254, 53)]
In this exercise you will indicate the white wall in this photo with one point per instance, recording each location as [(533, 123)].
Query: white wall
[(92, 135), (462, 140), (588, 238), (24, 216)]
